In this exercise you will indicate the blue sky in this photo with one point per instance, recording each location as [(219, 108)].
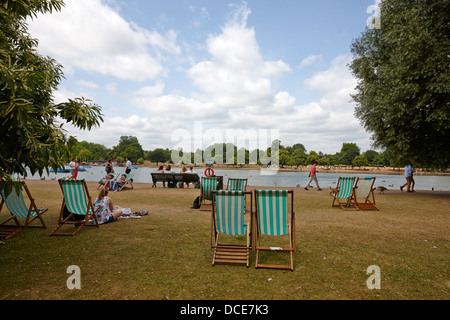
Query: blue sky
[(156, 67)]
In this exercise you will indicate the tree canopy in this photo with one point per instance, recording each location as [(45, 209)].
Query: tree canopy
[(128, 147), (31, 135), (403, 73)]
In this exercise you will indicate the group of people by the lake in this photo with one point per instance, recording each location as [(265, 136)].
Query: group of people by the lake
[(106, 213), (409, 184), (110, 181), (168, 169)]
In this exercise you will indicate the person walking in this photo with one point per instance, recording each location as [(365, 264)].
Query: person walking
[(408, 177), (128, 166), (313, 176)]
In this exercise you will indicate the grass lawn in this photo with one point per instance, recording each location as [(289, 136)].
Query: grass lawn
[(166, 255)]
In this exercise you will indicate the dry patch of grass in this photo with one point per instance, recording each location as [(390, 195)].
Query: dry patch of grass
[(167, 255)]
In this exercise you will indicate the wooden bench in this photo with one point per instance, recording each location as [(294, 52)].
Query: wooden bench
[(175, 178), (186, 177)]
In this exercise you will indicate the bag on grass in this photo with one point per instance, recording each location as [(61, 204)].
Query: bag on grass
[(196, 204)]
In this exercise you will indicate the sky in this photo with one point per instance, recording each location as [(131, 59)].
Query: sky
[(194, 72)]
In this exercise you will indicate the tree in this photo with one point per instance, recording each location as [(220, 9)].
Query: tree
[(299, 146), (298, 157), (312, 157), (128, 147), (360, 161), (284, 157), (403, 92), (157, 155), (84, 155), (370, 155), (31, 135), (348, 152), (325, 161)]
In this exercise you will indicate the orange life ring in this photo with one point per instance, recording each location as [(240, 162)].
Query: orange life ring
[(209, 172)]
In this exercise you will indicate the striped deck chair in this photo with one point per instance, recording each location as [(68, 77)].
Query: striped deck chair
[(209, 184), (79, 203), (273, 219), (364, 196), (236, 184), (227, 218), (17, 207), (129, 183), (344, 194)]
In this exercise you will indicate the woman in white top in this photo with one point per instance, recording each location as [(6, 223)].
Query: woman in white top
[(73, 169)]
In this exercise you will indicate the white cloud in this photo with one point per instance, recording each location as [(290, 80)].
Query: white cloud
[(334, 78), (95, 38), (236, 76), (337, 83), (151, 91), (111, 88), (309, 60), (151, 132), (88, 84)]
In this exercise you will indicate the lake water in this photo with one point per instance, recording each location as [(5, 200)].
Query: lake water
[(280, 179)]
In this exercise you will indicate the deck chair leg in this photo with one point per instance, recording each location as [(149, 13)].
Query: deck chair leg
[(9, 231)]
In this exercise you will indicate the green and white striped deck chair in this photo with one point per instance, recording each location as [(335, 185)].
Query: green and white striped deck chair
[(209, 184), (275, 217), (78, 202), (227, 218), (129, 182), (364, 196), (236, 184), (344, 194), (18, 208)]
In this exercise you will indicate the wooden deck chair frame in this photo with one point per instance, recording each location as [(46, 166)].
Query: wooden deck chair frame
[(15, 203), (206, 190), (78, 201), (365, 189), (237, 184), (344, 194), (271, 219), (227, 218), (129, 181)]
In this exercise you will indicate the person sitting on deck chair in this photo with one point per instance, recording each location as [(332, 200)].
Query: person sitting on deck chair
[(106, 180), (115, 185)]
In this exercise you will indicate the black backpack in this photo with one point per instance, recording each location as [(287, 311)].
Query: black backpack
[(196, 204), (75, 217)]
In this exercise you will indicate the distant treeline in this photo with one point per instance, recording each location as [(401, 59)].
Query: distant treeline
[(296, 155)]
